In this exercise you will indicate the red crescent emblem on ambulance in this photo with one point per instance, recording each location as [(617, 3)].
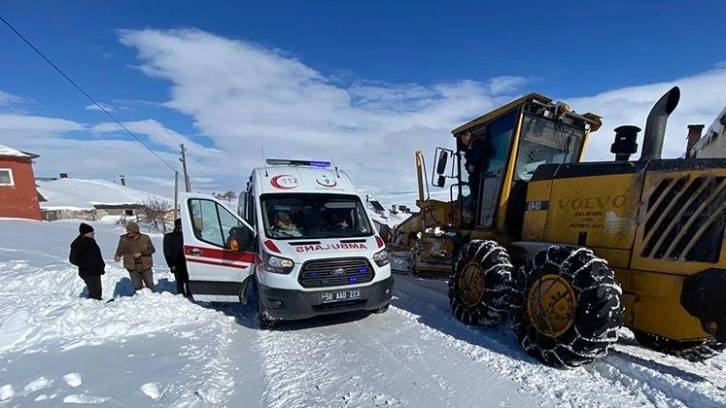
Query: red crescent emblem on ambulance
[(284, 182), (325, 181)]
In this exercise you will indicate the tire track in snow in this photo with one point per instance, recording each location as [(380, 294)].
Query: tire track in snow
[(324, 366), (660, 388), (435, 389), (604, 381)]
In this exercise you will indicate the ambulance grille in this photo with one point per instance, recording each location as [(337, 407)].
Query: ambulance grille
[(322, 273), (684, 219)]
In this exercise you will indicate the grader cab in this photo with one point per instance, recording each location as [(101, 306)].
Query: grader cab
[(574, 250)]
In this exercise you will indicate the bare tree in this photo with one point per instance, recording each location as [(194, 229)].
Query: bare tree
[(155, 210)]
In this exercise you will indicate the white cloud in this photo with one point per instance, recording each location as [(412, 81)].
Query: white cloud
[(8, 99), (159, 135), (246, 98), (100, 157), (105, 106), (702, 97), (24, 126)]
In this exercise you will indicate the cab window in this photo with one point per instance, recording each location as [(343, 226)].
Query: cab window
[(213, 223), (545, 141)]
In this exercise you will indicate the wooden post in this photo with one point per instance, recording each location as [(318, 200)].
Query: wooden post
[(187, 184), (176, 195)]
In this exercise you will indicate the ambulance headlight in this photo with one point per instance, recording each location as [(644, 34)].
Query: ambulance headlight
[(381, 258), (276, 264)]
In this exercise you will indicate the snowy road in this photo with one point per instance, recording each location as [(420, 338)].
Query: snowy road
[(158, 349)]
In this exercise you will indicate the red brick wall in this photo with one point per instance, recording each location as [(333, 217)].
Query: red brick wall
[(21, 199)]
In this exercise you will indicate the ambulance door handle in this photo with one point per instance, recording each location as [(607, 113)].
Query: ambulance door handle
[(196, 252)]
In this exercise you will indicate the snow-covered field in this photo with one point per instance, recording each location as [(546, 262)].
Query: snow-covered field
[(161, 350)]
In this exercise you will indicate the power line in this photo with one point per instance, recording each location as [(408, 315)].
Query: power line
[(83, 92)]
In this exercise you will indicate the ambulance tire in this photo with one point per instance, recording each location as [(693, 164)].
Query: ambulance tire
[(382, 309), (266, 322)]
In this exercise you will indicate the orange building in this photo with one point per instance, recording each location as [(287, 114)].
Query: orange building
[(18, 195)]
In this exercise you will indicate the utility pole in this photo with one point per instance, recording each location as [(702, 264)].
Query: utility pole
[(176, 194), (183, 159)]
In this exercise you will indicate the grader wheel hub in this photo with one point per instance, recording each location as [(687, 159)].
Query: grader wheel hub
[(471, 284), (551, 305)]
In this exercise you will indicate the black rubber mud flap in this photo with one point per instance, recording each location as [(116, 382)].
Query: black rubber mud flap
[(703, 297)]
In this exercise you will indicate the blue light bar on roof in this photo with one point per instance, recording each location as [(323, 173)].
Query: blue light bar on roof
[(314, 163)]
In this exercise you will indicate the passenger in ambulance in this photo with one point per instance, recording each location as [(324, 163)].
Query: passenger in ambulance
[(334, 222), (283, 225), (283, 221)]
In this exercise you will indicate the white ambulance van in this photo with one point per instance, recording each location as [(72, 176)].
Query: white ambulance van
[(301, 235)]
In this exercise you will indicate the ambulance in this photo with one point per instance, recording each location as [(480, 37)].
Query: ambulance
[(301, 235)]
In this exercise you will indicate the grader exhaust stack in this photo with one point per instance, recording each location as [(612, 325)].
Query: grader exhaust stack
[(655, 125)]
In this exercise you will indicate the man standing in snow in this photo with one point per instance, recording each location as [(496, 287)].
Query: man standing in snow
[(136, 249), (174, 255), (86, 255)]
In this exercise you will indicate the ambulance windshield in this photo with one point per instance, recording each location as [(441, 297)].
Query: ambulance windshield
[(297, 215)]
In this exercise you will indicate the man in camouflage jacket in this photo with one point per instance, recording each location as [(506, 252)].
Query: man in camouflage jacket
[(136, 249)]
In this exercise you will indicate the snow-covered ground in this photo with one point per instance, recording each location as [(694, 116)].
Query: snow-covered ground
[(161, 350)]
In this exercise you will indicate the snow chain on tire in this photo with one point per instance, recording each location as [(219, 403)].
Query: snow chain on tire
[(480, 283), (566, 307)]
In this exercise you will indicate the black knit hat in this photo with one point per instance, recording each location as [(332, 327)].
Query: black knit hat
[(85, 228)]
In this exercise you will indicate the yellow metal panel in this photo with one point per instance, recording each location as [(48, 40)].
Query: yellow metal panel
[(500, 111), (604, 207), (535, 218), (617, 258), (652, 304)]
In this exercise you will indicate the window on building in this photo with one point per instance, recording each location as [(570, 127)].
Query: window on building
[(6, 177)]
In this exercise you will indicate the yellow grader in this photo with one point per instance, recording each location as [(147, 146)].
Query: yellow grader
[(573, 250)]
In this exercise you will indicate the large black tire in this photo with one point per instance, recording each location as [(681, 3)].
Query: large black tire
[(480, 283), (694, 351), (567, 307)]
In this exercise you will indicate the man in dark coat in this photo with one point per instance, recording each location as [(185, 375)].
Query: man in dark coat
[(86, 255), (174, 255)]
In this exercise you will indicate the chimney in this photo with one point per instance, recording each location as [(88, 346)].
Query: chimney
[(694, 135), (123, 180), (64, 175)]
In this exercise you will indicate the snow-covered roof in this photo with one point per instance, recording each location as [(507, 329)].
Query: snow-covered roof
[(6, 151), (716, 129), (66, 193)]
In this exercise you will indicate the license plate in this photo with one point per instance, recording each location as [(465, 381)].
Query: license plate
[(340, 295)]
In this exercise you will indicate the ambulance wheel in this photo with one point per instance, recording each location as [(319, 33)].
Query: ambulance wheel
[(382, 309), (266, 321), (567, 307), (479, 285)]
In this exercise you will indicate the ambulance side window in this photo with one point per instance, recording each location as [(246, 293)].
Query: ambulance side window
[(213, 223)]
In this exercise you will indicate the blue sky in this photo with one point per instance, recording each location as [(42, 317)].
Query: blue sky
[(404, 49)]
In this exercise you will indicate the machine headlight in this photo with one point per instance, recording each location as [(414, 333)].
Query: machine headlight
[(381, 258), (276, 264)]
